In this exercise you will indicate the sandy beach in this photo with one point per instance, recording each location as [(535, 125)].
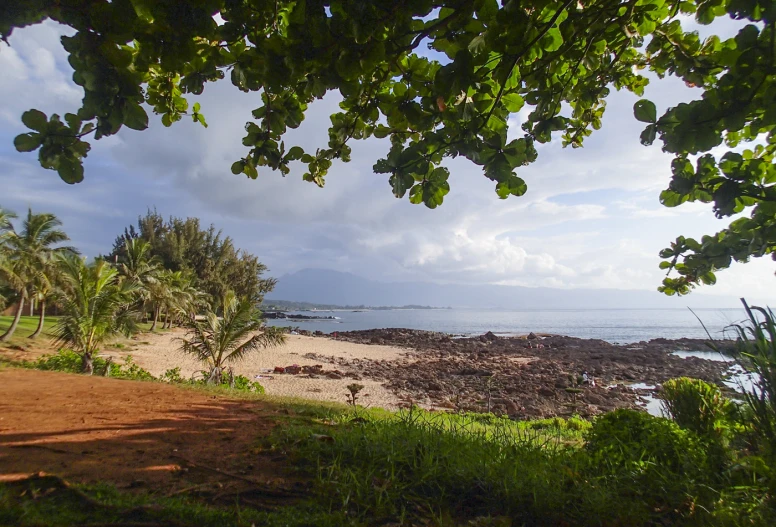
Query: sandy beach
[(160, 352)]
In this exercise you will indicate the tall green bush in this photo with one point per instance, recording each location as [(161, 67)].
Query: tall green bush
[(652, 459), (696, 405)]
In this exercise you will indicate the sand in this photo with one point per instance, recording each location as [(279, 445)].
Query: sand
[(160, 352)]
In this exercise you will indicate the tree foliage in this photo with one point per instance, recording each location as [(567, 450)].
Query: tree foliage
[(439, 79), (183, 245), (27, 264), (96, 306)]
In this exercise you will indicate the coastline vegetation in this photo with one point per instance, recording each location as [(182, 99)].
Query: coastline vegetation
[(711, 461)]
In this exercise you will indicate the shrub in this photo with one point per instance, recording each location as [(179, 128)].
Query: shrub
[(697, 406), (65, 360), (244, 384), (130, 370), (652, 458), (173, 376)]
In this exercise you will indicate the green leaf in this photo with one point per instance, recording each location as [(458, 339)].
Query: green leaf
[(238, 167), (251, 171), (71, 171), (196, 107), (295, 153), (35, 120), (645, 111), (513, 102), (135, 117), (27, 142), (648, 135), (552, 40)]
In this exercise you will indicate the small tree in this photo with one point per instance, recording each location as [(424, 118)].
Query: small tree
[(217, 341), (96, 305)]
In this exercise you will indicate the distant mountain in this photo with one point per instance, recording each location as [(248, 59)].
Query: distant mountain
[(323, 286), (290, 305)]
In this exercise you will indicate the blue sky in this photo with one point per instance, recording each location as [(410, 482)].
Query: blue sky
[(591, 217)]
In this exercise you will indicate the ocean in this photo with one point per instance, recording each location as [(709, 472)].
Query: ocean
[(613, 325)]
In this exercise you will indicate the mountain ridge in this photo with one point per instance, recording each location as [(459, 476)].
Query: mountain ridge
[(327, 286)]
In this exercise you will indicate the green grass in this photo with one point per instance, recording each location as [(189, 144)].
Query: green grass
[(47, 501), (423, 468), (27, 325), (374, 467)]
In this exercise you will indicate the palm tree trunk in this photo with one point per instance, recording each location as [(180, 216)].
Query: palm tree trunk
[(156, 318), (41, 319), (87, 363), (166, 318), (7, 335)]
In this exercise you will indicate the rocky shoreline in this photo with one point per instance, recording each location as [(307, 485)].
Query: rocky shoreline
[(524, 377)]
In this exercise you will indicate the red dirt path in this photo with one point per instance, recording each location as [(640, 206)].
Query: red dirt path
[(138, 435)]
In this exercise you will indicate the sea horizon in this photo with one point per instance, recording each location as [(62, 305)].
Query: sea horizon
[(620, 326)]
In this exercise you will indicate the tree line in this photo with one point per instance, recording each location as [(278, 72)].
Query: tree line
[(166, 272)]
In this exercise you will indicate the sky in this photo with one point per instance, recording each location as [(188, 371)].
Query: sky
[(591, 217)]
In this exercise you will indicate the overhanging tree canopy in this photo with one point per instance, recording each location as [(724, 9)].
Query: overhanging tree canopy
[(556, 58)]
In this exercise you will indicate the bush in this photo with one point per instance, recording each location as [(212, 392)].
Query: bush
[(244, 384), (697, 406), (173, 376), (65, 360), (130, 370), (652, 458)]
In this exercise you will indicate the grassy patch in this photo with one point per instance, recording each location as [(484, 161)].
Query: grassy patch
[(422, 468), (48, 501), (27, 325)]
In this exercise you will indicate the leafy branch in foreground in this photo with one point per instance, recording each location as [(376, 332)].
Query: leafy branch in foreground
[(218, 341), (555, 61)]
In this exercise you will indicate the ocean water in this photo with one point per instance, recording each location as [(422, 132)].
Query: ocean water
[(613, 325)]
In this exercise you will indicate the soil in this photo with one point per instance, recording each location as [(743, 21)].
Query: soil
[(140, 435)]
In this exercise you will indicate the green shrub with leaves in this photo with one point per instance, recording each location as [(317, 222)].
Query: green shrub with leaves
[(173, 376), (697, 406), (244, 384), (65, 360), (652, 458), (130, 371)]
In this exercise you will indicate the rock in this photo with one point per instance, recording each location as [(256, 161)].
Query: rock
[(546, 392), (532, 336), (490, 336)]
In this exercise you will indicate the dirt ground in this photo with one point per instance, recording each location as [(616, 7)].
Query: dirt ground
[(140, 435)]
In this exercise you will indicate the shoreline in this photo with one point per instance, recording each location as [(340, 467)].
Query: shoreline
[(530, 376)]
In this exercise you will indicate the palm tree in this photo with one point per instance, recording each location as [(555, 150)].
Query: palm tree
[(5, 229), (28, 257), (137, 263), (217, 341), (96, 305), (159, 293)]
